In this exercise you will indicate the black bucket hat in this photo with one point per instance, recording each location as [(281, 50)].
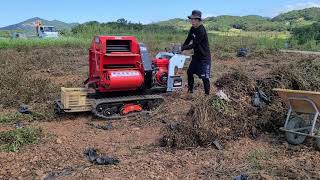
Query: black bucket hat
[(196, 14)]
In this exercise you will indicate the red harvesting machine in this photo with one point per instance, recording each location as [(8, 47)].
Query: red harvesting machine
[(123, 79)]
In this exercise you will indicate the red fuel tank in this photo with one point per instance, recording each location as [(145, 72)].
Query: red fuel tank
[(124, 80)]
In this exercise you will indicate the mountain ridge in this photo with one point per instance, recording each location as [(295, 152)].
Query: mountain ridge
[(28, 25)]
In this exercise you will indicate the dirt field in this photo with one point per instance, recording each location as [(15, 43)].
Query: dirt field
[(135, 142)]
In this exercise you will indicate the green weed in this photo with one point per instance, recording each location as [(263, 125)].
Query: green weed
[(15, 139), (218, 104), (15, 117)]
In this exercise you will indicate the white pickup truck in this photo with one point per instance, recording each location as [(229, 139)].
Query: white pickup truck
[(47, 32)]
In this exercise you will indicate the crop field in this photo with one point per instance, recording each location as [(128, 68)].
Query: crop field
[(175, 141), (235, 132)]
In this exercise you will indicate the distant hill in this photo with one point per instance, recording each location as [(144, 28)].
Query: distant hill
[(299, 18), (309, 14), (27, 26), (226, 22), (177, 22), (282, 22)]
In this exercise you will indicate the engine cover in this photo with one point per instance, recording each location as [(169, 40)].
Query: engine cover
[(124, 80), (161, 73)]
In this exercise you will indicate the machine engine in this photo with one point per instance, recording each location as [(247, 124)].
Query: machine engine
[(161, 67)]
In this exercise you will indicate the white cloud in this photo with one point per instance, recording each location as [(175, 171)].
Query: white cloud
[(298, 6)]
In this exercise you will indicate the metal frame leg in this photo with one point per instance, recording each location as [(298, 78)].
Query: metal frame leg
[(288, 117), (312, 133)]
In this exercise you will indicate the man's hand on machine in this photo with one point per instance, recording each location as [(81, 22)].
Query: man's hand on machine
[(176, 49)]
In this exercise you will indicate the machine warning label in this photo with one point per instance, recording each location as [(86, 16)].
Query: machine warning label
[(143, 48), (125, 73)]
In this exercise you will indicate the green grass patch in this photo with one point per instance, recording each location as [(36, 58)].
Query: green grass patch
[(11, 118), (256, 34), (218, 104), (232, 44), (12, 141), (15, 117), (36, 42), (158, 41)]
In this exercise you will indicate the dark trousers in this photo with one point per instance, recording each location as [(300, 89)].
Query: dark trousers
[(202, 69)]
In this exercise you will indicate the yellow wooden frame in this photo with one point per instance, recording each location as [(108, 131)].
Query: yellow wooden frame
[(75, 100)]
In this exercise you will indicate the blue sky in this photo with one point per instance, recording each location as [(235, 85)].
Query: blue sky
[(144, 11)]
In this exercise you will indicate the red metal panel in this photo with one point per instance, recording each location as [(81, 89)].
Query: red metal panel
[(101, 65)]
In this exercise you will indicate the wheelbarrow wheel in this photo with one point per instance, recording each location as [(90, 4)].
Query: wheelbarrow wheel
[(295, 123)]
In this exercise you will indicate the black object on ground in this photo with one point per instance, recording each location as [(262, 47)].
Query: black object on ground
[(264, 97), (19, 124), (23, 109), (93, 156), (217, 145), (256, 101), (175, 126), (243, 52), (241, 177), (54, 175), (259, 99)]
